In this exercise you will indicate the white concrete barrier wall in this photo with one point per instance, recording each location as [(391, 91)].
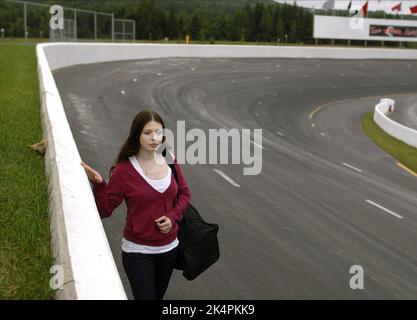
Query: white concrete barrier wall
[(392, 127), (79, 242), (68, 54)]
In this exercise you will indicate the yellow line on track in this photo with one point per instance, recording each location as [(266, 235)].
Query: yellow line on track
[(406, 169)]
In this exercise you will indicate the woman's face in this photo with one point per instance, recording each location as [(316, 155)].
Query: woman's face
[(151, 136)]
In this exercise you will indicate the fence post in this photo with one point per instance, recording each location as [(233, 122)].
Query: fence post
[(134, 31), (95, 26), (75, 25), (112, 27), (123, 31), (25, 19)]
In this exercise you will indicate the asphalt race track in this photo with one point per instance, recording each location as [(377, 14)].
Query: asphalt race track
[(327, 197)]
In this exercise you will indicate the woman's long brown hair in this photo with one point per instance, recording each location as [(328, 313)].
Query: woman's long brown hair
[(132, 144)]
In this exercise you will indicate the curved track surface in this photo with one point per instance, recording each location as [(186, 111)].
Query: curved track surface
[(327, 197), (406, 112)]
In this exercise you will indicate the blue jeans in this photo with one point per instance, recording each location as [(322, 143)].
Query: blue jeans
[(149, 274)]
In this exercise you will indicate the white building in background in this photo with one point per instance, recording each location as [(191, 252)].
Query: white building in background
[(374, 5)]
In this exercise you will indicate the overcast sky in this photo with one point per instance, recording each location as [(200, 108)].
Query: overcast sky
[(343, 4)]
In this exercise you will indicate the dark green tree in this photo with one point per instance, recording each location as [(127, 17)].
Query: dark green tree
[(256, 21), (194, 27), (266, 27), (280, 30), (145, 17), (172, 25)]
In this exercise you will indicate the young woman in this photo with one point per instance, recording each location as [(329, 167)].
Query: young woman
[(155, 203)]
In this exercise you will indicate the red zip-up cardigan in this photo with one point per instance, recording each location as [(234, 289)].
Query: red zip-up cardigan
[(144, 203)]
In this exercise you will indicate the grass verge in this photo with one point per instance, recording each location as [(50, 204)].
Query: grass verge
[(404, 153), (360, 44), (25, 245)]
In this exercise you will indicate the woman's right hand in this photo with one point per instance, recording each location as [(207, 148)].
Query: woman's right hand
[(92, 174)]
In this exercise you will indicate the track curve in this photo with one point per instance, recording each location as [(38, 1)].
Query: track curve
[(295, 230)]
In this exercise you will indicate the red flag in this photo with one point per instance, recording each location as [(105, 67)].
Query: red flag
[(396, 7), (365, 9), (413, 9)]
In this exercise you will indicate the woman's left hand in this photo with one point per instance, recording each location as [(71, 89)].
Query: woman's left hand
[(164, 224)]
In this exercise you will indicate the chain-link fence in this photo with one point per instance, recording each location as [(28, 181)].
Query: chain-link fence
[(124, 29), (66, 34), (23, 19)]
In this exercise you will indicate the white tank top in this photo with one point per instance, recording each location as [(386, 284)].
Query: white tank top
[(160, 186)]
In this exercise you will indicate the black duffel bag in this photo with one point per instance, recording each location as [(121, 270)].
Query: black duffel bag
[(198, 244), (198, 247)]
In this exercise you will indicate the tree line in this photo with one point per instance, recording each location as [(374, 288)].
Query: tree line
[(210, 20), (251, 22)]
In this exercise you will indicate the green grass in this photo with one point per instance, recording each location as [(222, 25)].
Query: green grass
[(371, 44), (25, 245), (404, 153), (22, 40)]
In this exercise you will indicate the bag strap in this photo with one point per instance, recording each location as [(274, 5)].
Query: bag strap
[(171, 164)]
